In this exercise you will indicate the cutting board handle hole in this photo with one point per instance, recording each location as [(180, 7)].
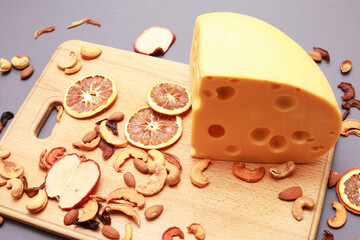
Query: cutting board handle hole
[(48, 121)]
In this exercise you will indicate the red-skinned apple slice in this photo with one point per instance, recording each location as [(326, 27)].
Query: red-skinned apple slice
[(71, 180), (154, 39)]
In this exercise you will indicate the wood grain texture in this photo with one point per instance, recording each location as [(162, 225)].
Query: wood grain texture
[(228, 208)]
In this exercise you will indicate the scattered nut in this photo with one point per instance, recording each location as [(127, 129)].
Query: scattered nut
[(77, 23), (110, 232), (44, 30), (328, 235), (173, 159), (156, 158), (283, 170), (316, 56), (324, 54), (127, 153), (27, 72), (74, 69), (128, 232), (350, 126), (128, 194), (89, 53), (196, 173), (89, 136), (116, 116), (20, 61), (37, 203), (16, 187), (171, 232), (173, 177), (198, 230), (248, 175), (70, 63), (291, 193), (125, 208), (5, 65), (153, 212), (71, 216), (340, 216), (109, 137), (129, 179), (333, 178), (156, 183), (141, 165), (88, 146), (60, 110), (4, 153), (345, 66), (299, 204), (42, 160), (10, 170)]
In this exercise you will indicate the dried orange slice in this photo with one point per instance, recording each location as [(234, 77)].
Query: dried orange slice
[(348, 190), (149, 129), (169, 98), (89, 95)]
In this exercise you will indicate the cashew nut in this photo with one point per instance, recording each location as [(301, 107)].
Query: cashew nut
[(340, 216), (74, 69), (283, 170), (198, 230), (128, 232), (4, 153), (109, 137), (196, 176), (299, 204), (37, 203), (20, 61), (156, 157), (70, 63), (5, 65), (16, 186), (173, 177), (125, 154), (89, 53)]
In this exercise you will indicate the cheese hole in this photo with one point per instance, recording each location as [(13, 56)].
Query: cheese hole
[(275, 86), (232, 150), (234, 80), (260, 136), (309, 140), (209, 78), (285, 103), (332, 133), (225, 93), (216, 131), (278, 144), (208, 93), (300, 137), (297, 90), (317, 148)]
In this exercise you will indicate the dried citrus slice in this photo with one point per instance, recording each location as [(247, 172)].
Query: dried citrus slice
[(348, 190), (149, 129), (169, 98), (89, 95)]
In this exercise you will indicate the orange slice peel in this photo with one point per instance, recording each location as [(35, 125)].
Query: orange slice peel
[(348, 190)]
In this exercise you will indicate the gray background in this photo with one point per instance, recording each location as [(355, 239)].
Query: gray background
[(330, 24)]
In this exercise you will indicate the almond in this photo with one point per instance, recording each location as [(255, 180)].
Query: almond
[(116, 116), (291, 193), (333, 178), (153, 211), (129, 179), (110, 232), (89, 136), (316, 56), (71, 216), (26, 73), (140, 165)]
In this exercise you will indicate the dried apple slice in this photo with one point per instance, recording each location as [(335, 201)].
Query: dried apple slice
[(153, 40), (91, 208), (71, 180), (125, 208), (127, 153), (10, 170), (128, 194), (109, 137), (70, 63), (156, 183)]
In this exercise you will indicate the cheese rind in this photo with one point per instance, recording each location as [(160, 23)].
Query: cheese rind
[(257, 95)]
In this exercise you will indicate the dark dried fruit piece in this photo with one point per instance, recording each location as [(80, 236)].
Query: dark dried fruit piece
[(5, 117), (31, 192), (91, 224), (104, 217), (112, 125), (55, 154), (348, 89), (324, 54), (107, 149), (328, 235)]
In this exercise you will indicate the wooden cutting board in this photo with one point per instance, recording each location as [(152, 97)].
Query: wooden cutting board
[(228, 208)]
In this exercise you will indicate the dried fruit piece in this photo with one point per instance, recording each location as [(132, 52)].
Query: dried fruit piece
[(348, 89), (70, 63), (90, 209), (316, 56), (291, 193), (153, 212), (32, 191), (106, 148), (324, 54), (77, 23), (155, 158), (89, 145), (350, 126), (10, 170), (91, 224), (141, 165), (42, 160), (125, 208), (345, 66), (109, 137), (27, 72), (60, 110), (43, 30), (128, 232), (5, 65), (89, 95), (74, 69), (169, 98), (333, 178), (196, 176), (340, 216), (93, 22), (347, 190), (55, 154), (3, 182), (110, 232), (283, 170), (156, 183), (104, 217), (153, 40), (88, 52), (148, 129), (128, 153), (299, 204), (71, 216), (37, 203), (128, 194), (5, 117), (328, 235), (129, 179), (198, 230), (248, 175), (172, 232)]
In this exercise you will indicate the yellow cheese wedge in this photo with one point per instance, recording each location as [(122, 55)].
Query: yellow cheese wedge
[(257, 95)]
